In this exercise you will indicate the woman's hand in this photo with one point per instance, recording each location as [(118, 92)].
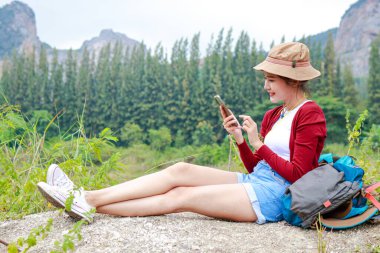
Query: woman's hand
[(250, 127), (232, 126)]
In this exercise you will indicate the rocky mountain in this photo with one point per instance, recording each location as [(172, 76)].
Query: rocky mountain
[(323, 36), (94, 45), (17, 29), (18, 32), (108, 36), (359, 26)]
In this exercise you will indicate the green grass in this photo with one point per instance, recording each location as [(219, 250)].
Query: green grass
[(26, 153)]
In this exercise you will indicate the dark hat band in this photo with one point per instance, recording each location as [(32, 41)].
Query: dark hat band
[(293, 64)]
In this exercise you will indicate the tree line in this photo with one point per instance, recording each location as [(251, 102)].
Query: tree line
[(139, 90)]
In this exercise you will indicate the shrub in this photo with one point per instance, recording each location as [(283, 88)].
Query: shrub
[(160, 139), (204, 134)]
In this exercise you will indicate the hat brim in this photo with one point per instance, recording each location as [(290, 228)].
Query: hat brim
[(298, 73), (335, 223)]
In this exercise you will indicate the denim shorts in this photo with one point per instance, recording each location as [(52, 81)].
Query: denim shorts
[(264, 187)]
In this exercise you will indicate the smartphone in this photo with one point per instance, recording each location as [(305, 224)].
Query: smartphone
[(224, 107)]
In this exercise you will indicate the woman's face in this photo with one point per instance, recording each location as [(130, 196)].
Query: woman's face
[(277, 88)]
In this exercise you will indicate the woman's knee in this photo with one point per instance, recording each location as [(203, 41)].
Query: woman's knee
[(175, 199), (179, 169)]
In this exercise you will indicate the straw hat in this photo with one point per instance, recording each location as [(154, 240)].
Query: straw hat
[(290, 60)]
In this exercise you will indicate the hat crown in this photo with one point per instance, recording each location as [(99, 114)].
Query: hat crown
[(291, 51), (291, 60)]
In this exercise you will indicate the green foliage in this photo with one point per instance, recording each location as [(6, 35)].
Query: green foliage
[(362, 145), (355, 131), (160, 139), (322, 243), (374, 82), (350, 94), (179, 139), (335, 111), (329, 69), (131, 134), (374, 248), (25, 154), (373, 138), (141, 85), (203, 135), (367, 153), (37, 233), (68, 243), (96, 163), (211, 155)]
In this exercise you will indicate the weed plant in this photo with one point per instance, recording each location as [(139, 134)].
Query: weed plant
[(26, 153)]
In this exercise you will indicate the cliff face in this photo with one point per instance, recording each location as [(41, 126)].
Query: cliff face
[(107, 36), (359, 26), (17, 29), (18, 32)]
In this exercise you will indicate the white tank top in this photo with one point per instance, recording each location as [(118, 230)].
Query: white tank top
[(278, 137)]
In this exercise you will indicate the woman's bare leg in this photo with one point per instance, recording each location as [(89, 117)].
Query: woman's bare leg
[(226, 201), (180, 174)]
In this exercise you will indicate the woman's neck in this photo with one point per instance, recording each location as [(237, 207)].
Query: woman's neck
[(296, 101)]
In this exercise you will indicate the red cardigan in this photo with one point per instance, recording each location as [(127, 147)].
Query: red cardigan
[(307, 136)]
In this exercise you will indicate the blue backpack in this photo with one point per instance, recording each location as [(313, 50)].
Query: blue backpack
[(334, 192)]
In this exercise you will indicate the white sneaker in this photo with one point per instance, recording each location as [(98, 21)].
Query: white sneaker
[(56, 177), (80, 209)]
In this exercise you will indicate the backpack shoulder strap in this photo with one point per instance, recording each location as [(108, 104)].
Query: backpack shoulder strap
[(368, 194)]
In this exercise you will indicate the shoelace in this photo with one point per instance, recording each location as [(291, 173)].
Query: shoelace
[(65, 183)]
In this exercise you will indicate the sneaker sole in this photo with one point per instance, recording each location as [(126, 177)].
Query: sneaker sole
[(56, 202), (74, 213)]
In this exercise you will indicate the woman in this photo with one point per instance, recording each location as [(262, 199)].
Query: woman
[(294, 136)]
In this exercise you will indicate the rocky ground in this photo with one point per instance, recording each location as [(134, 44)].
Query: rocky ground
[(189, 232)]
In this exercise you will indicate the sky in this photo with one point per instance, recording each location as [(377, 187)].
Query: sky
[(68, 23)]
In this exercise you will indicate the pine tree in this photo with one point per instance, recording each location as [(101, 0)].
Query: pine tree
[(42, 72), (211, 83), (83, 86), (243, 93), (56, 92), (374, 82), (134, 88), (254, 87), (154, 94), (227, 68), (103, 96), (124, 91), (261, 54), (338, 87), (116, 76), (329, 67), (27, 86), (316, 86), (5, 82), (69, 95), (350, 94), (193, 81)]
